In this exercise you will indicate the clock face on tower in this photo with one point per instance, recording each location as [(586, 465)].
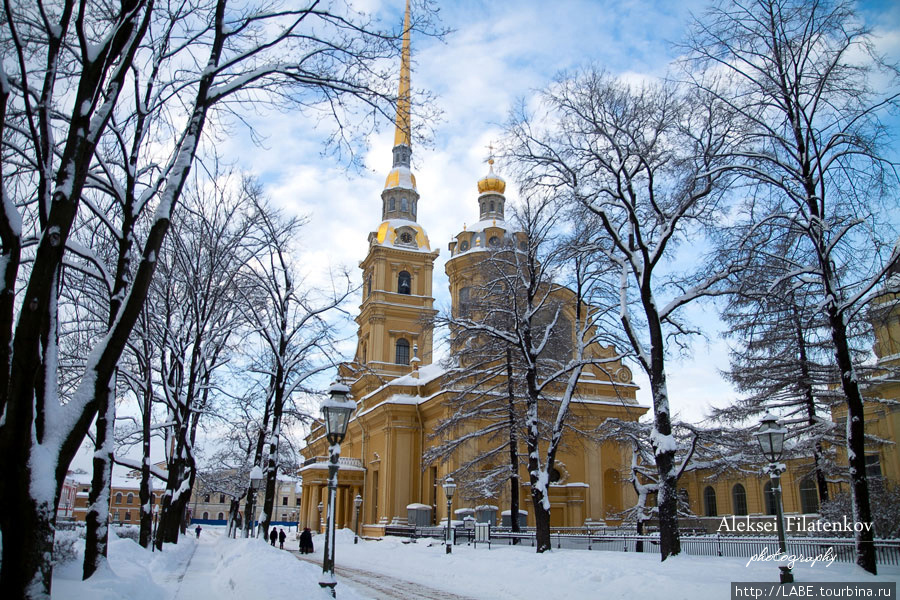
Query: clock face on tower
[(463, 246), (406, 237)]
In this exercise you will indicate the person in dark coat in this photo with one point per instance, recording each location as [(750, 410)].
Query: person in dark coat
[(198, 531), (281, 536), (273, 535), (306, 543)]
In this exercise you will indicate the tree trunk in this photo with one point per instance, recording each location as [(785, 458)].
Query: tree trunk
[(541, 520), (28, 530), (639, 544), (96, 539), (513, 449), (809, 400), (856, 449), (146, 491)]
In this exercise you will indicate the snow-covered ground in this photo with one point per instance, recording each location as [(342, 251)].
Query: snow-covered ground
[(214, 567), (218, 567)]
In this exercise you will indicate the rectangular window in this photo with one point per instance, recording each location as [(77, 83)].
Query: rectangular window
[(221, 498), (284, 501), (298, 501), (873, 466)]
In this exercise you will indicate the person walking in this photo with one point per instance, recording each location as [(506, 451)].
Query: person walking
[(306, 543), (198, 531), (281, 536), (273, 536)]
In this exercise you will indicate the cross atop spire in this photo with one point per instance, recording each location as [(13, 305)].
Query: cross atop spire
[(402, 132)]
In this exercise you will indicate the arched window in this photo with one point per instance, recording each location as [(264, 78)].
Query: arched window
[(404, 283), (127, 515), (393, 204), (205, 515), (129, 499), (709, 501), (119, 498), (809, 495), (221, 516), (206, 497), (492, 206), (769, 495), (739, 499), (402, 356), (404, 206)]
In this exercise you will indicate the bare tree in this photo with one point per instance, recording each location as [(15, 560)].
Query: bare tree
[(642, 160), (642, 472), (197, 294), (552, 332), (72, 62), (290, 318), (811, 93), (486, 385)]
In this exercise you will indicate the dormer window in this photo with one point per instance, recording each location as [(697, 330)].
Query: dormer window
[(404, 283)]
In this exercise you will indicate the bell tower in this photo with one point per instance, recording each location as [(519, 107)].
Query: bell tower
[(397, 303)]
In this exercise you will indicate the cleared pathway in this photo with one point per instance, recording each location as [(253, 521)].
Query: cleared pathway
[(193, 582), (385, 587)]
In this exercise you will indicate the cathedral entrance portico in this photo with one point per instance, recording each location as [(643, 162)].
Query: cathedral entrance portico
[(351, 475)]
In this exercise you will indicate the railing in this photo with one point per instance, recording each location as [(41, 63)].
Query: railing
[(887, 552), (348, 462)]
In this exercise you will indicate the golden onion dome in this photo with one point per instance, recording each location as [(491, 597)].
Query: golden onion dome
[(491, 183)]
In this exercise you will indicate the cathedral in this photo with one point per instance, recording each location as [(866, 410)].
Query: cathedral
[(401, 396)]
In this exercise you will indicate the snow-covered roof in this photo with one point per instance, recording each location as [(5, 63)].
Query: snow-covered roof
[(426, 374)]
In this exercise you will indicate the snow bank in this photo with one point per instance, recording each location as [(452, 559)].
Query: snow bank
[(213, 567)]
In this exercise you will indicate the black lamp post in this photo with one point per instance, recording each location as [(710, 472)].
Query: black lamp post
[(449, 489), (357, 502), (771, 441), (256, 479), (336, 410), (319, 522)]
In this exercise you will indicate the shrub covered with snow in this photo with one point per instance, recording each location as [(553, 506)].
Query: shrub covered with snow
[(128, 532), (67, 546)]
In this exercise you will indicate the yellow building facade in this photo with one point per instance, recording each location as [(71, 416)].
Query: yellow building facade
[(401, 395)]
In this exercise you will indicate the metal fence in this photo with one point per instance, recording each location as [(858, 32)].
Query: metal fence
[(887, 551)]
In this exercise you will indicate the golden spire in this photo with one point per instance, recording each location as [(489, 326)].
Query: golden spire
[(401, 135)]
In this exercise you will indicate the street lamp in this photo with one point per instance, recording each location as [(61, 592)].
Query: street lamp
[(336, 410), (357, 502), (319, 522), (770, 436), (449, 489), (256, 479)]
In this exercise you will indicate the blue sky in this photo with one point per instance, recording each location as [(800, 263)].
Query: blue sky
[(499, 52)]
